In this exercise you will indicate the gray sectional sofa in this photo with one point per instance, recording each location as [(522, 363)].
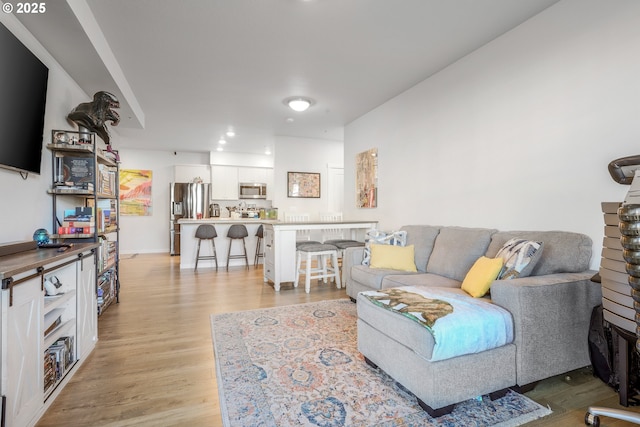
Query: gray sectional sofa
[(550, 309)]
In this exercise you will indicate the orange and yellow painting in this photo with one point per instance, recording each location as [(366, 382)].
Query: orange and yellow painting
[(135, 192)]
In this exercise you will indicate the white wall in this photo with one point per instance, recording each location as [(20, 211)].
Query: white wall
[(149, 234), (303, 155), (26, 205), (518, 134)]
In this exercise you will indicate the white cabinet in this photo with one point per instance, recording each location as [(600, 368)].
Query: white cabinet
[(87, 317), (279, 255), (44, 337), (224, 182), (246, 174), (21, 355)]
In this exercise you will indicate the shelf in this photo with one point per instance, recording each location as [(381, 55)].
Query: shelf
[(72, 148), (53, 302), (71, 192), (59, 331), (72, 236), (87, 164)]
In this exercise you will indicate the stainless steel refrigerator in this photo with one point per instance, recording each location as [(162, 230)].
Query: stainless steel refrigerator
[(188, 200)]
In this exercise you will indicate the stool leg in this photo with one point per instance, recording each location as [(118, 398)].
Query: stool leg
[(324, 260), (246, 258), (298, 263), (336, 270), (197, 255), (307, 278), (229, 252), (215, 255), (257, 257)]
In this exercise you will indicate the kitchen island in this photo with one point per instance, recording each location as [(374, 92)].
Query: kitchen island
[(189, 243), (280, 243)]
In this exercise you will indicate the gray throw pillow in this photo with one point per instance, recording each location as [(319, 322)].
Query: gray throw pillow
[(520, 257)]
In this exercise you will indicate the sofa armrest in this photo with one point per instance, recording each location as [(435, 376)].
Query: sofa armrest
[(350, 257), (551, 316)]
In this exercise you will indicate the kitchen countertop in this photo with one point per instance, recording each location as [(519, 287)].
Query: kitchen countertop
[(227, 221)]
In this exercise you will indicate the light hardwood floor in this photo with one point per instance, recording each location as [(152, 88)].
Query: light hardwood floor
[(154, 366)]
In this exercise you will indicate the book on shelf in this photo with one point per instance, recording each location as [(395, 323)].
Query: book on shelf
[(77, 170)]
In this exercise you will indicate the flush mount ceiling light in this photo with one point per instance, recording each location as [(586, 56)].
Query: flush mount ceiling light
[(231, 133), (222, 141), (298, 103)]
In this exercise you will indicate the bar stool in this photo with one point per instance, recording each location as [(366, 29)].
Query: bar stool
[(342, 245), (237, 232), (206, 232), (259, 251), (322, 271)]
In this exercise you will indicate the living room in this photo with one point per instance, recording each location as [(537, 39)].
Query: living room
[(505, 131), (515, 135)]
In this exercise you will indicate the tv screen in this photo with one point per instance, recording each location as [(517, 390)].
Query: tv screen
[(23, 93)]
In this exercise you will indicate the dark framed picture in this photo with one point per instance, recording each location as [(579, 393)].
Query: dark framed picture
[(303, 185)]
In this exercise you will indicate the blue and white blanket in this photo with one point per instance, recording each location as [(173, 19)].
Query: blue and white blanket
[(460, 325)]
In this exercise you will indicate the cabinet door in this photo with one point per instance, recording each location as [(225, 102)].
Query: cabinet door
[(224, 182), (22, 357), (87, 319), (269, 255)]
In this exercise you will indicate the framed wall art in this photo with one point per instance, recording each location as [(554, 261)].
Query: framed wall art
[(303, 185), (135, 192), (367, 179)]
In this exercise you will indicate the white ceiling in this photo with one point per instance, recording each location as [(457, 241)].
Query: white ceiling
[(186, 71)]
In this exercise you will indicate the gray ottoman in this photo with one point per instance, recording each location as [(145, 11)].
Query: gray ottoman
[(401, 348)]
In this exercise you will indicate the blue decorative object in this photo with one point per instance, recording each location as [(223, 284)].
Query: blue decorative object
[(41, 236)]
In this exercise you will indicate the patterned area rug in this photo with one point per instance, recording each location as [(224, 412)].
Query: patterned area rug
[(299, 366)]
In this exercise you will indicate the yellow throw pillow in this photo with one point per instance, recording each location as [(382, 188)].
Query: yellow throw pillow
[(484, 271), (393, 257)]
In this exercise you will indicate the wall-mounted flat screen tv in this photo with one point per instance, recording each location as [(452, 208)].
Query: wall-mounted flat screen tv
[(23, 93)]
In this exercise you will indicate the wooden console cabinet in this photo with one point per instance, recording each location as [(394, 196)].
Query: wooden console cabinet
[(44, 339)]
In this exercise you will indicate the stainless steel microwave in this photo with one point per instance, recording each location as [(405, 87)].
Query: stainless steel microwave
[(252, 190)]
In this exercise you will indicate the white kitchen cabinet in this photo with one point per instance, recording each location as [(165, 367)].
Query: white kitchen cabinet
[(44, 338), (224, 182), (279, 255)]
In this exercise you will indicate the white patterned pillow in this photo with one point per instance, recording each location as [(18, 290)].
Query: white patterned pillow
[(396, 238), (520, 257)]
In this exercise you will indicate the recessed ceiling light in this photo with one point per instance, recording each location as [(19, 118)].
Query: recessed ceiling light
[(298, 103), (289, 120), (267, 151), (230, 133), (222, 141), (219, 149)]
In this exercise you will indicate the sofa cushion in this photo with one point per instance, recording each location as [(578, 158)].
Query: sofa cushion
[(479, 278), (393, 257), (372, 277), (520, 257), (564, 251), (422, 237), (422, 279), (456, 249)]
